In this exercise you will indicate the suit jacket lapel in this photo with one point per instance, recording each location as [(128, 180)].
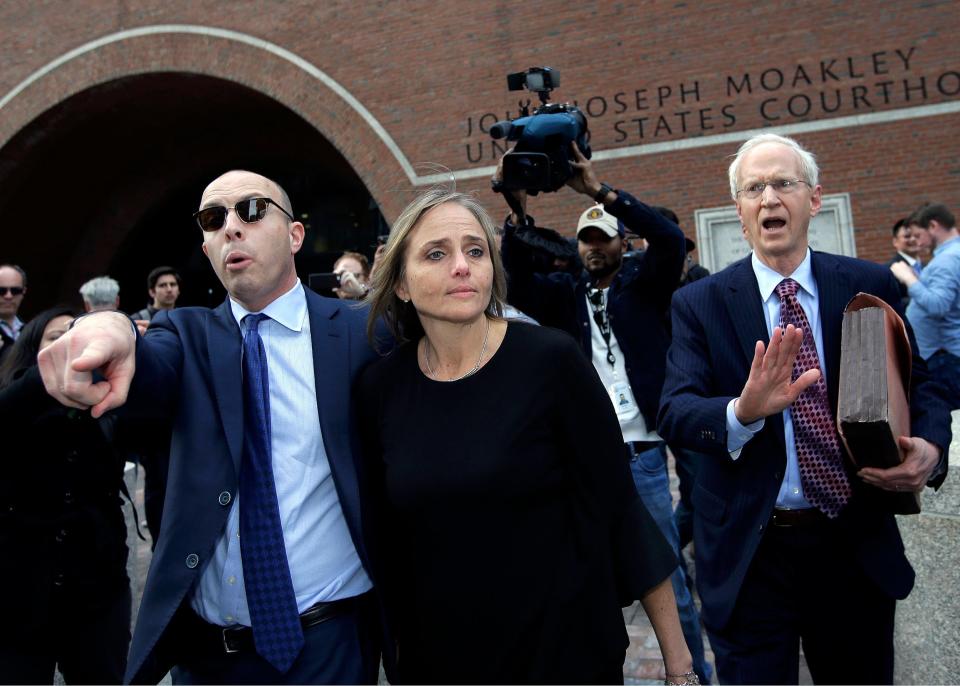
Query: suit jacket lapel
[(224, 350), (833, 293), (746, 311), (745, 308)]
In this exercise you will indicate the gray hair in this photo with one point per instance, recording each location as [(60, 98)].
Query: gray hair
[(100, 292), (808, 163)]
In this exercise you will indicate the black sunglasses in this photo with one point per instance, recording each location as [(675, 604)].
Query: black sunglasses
[(249, 211), (14, 290)]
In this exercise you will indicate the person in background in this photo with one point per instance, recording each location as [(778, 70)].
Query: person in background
[(13, 286), (906, 250), (63, 538), (163, 287), (354, 271), (934, 310), (100, 294)]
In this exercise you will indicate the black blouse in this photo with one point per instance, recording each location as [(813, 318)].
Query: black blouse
[(513, 530)]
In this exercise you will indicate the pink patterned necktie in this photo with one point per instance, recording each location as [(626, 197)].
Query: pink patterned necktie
[(825, 482)]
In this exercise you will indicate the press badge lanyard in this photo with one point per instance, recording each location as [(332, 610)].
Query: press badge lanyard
[(598, 302), (621, 395)]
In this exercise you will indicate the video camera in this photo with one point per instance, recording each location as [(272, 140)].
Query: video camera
[(540, 160)]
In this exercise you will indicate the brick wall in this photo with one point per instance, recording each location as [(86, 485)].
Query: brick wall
[(647, 73)]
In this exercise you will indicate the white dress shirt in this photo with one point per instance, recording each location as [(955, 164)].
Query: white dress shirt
[(614, 377), (791, 489), (324, 564)]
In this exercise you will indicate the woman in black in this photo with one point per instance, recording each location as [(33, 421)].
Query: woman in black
[(63, 551), (513, 531)]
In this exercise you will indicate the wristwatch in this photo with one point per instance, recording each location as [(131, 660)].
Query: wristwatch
[(602, 193)]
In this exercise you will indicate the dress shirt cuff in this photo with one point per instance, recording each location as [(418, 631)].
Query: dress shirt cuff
[(737, 433)]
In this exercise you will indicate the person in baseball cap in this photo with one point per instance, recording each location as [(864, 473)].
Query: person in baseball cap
[(600, 240)]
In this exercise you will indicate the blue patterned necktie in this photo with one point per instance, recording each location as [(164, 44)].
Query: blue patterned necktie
[(917, 268), (277, 633)]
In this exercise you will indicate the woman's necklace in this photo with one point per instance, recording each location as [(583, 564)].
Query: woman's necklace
[(476, 367)]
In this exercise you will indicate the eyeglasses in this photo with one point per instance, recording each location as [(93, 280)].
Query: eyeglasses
[(779, 186), (249, 211), (13, 290)]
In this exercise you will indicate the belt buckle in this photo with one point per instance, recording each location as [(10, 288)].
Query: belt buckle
[(783, 523), (228, 647)]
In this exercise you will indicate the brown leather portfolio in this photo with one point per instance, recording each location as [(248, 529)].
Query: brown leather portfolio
[(873, 407)]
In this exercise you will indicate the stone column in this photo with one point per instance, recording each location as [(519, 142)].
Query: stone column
[(927, 638)]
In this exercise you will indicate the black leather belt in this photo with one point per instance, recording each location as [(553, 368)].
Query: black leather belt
[(239, 639), (808, 515)]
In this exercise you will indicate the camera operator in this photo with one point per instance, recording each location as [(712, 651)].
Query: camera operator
[(616, 308), (354, 271)]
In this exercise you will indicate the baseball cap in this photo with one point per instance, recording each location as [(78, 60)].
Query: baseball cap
[(597, 216)]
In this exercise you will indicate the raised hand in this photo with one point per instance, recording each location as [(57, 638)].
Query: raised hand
[(584, 180), (104, 341), (769, 388)]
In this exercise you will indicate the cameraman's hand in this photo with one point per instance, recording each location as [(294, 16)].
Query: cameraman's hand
[(583, 180), (521, 195), (350, 288)]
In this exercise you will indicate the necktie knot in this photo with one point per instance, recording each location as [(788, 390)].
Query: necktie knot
[(253, 321), (787, 287)]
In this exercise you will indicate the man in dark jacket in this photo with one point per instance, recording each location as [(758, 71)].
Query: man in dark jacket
[(616, 308), (793, 543)]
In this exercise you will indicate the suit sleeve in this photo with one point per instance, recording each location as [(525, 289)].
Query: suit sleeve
[(690, 416), (666, 246), (642, 557), (156, 382), (548, 299)]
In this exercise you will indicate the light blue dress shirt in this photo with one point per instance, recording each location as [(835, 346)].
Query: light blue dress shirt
[(14, 330), (791, 489), (934, 310), (324, 564)]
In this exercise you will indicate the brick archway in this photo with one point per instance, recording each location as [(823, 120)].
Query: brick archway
[(233, 56)]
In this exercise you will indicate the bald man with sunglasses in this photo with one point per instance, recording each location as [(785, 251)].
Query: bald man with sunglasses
[(258, 393)]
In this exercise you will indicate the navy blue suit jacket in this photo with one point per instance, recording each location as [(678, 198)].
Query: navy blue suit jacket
[(716, 324), (189, 372)]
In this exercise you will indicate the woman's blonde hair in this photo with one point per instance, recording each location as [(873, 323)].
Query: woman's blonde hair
[(401, 318)]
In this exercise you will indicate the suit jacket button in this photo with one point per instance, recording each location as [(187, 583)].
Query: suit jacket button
[(224, 498), (192, 560)]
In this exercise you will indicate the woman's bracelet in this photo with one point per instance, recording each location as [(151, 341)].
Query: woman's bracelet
[(682, 679)]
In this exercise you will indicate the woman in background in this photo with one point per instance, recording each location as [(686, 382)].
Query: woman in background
[(513, 531), (63, 551)]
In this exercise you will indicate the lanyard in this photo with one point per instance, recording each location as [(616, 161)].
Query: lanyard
[(598, 303)]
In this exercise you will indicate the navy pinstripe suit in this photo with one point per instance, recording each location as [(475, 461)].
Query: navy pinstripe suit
[(716, 323)]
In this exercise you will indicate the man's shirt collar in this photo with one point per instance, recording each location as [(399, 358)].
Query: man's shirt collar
[(907, 258), (768, 279), (946, 245), (289, 309)]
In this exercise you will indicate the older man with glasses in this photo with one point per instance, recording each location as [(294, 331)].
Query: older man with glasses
[(262, 572), (13, 286), (793, 544)]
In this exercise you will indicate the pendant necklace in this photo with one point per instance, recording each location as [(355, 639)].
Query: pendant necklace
[(476, 367)]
